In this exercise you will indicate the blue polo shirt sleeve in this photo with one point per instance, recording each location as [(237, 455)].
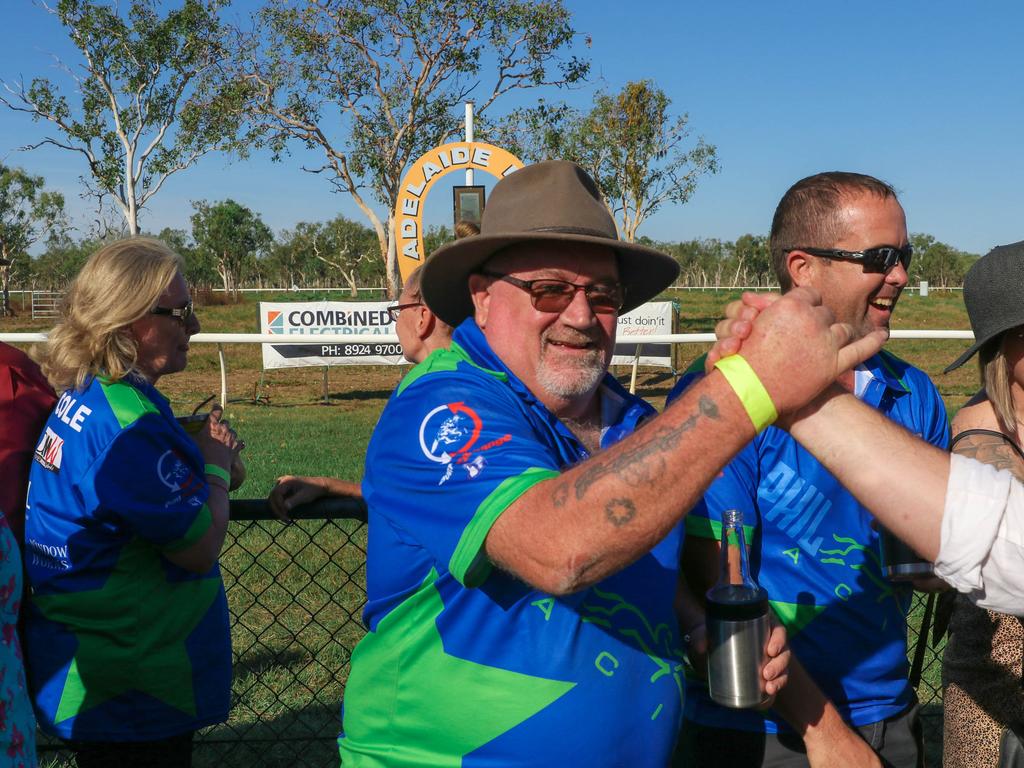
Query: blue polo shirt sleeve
[(449, 455), (150, 480)]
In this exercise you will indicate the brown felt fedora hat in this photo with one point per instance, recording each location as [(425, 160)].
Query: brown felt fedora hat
[(553, 201)]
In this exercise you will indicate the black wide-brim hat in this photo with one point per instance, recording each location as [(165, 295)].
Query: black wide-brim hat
[(994, 295), (552, 201)]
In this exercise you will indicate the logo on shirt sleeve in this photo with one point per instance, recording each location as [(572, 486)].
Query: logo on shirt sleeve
[(175, 473), (448, 436), (50, 450)]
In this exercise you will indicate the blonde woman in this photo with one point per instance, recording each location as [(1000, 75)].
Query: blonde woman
[(127, 632), (983, 699)]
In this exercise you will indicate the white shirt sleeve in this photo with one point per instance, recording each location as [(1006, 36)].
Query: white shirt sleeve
[(982, 543)]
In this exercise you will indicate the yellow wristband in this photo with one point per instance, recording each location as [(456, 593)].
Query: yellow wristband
[(213, 469), (749, 389)]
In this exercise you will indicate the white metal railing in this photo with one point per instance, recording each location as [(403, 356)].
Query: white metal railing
[(271, 289), (382, 289), (220, 339), (775, 288), (340, 338)]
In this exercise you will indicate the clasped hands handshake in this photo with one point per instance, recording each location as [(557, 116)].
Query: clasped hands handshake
[(793, 344)]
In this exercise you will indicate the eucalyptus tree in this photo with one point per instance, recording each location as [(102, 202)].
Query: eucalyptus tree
[(370, 85), (231, 237), (640, 155), (28, 213), (146, 99), (336, 249)]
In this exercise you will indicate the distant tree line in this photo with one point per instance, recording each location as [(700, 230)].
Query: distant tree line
[(229, 246), (747, 261)]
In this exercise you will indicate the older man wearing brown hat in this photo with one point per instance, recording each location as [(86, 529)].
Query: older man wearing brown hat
[(523, 543)]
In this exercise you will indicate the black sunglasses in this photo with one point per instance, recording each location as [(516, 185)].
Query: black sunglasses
[(395, 309), (555, 295), (181, 313), (880, 259)]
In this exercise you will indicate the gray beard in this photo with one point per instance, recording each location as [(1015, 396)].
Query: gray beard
[(568, 383)]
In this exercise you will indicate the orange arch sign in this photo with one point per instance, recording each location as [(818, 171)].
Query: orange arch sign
[(457, 156)]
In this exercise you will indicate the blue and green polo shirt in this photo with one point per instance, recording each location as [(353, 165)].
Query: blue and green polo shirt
[(465, 664), (121, 644)]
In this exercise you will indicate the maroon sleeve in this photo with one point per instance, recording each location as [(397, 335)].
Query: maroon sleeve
[(26, 400)]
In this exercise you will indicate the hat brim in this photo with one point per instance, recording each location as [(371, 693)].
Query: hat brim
[(974, 348), (643, 271)]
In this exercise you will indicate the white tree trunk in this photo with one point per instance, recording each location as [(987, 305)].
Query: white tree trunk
[(222, 270), (391, 260)]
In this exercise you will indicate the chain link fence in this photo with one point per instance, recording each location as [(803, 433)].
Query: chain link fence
[(296, 594), (925, 646)]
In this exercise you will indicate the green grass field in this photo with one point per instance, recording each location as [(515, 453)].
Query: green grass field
[(297, 590)]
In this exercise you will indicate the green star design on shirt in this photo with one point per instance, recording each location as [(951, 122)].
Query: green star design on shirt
[(795, 616), (131, 633), (408, 702)]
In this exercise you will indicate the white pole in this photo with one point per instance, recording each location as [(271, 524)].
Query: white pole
[(636, 364), (469, 138), (223, 376)]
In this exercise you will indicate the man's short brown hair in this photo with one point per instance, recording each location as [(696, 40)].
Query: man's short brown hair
[(808, 214)]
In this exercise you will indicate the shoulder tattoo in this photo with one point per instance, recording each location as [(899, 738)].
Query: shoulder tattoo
[(992, 450)]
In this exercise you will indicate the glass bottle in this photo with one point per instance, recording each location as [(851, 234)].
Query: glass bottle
[(737, 624)]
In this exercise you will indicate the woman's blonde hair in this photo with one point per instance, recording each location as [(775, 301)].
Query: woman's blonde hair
[(118, 285), (995, 376)]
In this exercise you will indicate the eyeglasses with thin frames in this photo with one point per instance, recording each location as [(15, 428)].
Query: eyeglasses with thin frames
[(181, 313), (879, 259), (396, 309), (548, 295)]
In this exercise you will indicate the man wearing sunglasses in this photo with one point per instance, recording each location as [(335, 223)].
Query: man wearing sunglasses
[(813, 546), (523, 531)]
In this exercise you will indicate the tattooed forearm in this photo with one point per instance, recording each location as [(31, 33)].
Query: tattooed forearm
[(708, 407), (560, 494), (642, 463), (991, 450), (620, 511)]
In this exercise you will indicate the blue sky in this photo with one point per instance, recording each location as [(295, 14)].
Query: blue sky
[(926, 95)]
